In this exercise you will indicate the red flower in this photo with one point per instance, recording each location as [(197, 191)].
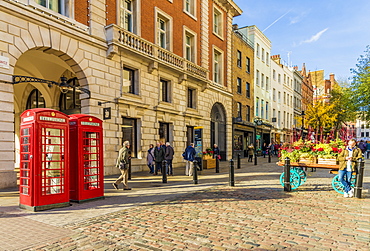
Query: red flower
[(335, 149), (296, 147), (320, 149)]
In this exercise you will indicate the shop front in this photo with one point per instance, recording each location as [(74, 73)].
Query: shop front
[(243, 137)]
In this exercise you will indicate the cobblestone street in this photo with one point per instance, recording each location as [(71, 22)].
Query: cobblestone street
[(255, 214)]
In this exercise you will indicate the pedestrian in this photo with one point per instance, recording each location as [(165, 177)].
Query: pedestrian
[(362, 146), (169, 157), (189, 156), (159, 153), (150, 158), (347, 164), (216, 152), (264, 149), (367, 150), (123, 164), (250, 153)]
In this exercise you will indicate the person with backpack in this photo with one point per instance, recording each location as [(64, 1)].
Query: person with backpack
[(189, 156)]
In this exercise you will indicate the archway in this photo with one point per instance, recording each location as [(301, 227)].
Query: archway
[(218, 128), (48, 65)]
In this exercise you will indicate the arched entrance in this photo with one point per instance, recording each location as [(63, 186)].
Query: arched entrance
[(29, 93), (218, 128)]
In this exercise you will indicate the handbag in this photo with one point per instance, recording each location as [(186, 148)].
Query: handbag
[(122, 165)]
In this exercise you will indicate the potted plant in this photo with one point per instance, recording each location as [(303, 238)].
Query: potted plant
[(208, 154)]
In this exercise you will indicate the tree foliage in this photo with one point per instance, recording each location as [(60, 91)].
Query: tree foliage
[(344, 107), (321, 116), (361, 85)]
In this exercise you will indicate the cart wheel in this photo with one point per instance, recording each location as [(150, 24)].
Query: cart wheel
[(337, 185), (302, 174), (295, 179)]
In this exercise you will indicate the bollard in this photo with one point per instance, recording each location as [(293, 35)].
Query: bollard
[(231, 174), (195, 172), (238, 161), (217, 165), (129, 169), (359, 178), (164, 172), (255, 158), (287, 187), (269, 157)]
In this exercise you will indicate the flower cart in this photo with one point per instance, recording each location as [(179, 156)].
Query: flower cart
[(303, 155)]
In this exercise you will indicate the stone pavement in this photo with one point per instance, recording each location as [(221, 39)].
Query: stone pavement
[(255, 214)]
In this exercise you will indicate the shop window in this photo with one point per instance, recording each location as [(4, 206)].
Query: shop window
[(35, 100), (164, 132), (129, 132)]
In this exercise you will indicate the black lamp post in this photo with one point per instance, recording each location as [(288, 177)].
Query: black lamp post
[(302, 114), (257, 122)]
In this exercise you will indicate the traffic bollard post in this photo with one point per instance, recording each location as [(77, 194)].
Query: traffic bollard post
[(195, 172), (231, 174), (129, 169), (359, 178), (269, 157), (164, 172), (287, 187), (217, 165), (238, 161)]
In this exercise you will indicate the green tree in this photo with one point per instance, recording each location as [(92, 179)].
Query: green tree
[(361, 85), (321, 117), (344, 107)]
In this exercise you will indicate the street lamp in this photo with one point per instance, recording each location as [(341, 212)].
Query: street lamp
[(302, 114), (257, 122)]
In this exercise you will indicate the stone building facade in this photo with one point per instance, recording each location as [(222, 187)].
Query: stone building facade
[(162, 75)]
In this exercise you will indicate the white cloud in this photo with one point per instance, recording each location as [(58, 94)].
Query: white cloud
[(315, 37)]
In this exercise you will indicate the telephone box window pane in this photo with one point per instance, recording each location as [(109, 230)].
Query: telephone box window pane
[(25, 140), (25, 156), (25, 173), (25, 165), (25, 148), (25, 131)]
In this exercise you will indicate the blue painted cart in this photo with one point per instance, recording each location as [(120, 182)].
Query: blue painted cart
[(298, 176)]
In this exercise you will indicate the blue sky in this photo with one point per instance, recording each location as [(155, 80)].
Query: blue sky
[(327, 35)]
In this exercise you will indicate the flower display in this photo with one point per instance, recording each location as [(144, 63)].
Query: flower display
[(208, 152), (308, 150)]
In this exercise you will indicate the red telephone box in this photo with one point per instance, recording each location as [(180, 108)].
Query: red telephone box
[(86, 158), (44, 177)]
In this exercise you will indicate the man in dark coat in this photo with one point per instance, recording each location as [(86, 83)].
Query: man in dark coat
[(169, 157), (159, 153)]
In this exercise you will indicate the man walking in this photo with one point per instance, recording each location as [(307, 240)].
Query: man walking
[(169, 157), (159, 153), (189, 156), (122, 164)]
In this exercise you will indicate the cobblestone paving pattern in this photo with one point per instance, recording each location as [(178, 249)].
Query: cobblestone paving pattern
[(244, 217)]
